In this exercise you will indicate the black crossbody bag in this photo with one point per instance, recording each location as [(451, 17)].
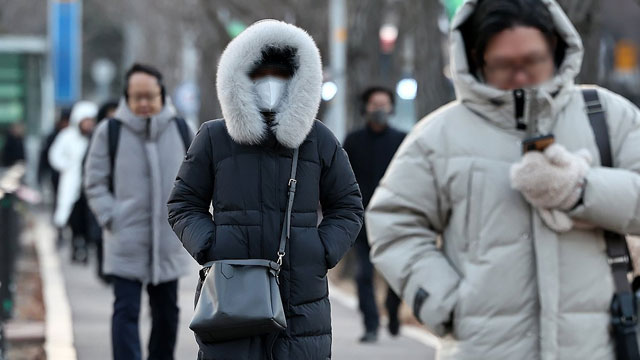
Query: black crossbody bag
[(241, 298)]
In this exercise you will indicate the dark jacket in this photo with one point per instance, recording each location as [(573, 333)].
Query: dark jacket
[(242, 166), (248, 187), (370, 154), (13, 150)]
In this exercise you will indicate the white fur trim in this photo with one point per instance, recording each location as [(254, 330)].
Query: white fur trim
[(235, 89)]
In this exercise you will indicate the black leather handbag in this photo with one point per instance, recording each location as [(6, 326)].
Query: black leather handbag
[(241, 298)]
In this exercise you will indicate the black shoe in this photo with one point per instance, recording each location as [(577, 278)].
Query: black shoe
[(394, 326), (369, 337)]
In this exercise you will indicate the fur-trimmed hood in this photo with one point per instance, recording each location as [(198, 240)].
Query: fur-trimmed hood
[(295, 117), (498, 105)]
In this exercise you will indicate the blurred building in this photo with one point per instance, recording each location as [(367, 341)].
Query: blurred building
[(25, 87)]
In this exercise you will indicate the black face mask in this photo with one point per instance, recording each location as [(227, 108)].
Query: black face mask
[(379, 117)]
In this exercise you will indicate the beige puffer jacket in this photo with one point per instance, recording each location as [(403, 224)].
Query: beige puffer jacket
[(513, 288)]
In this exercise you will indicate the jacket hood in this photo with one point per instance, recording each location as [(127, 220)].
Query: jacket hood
[(297, 111), (82, 110), (138, 124), (498, 105)]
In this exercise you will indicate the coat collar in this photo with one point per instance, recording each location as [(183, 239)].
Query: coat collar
[(156, 124)]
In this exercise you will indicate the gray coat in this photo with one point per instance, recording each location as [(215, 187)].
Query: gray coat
[(138, 242)]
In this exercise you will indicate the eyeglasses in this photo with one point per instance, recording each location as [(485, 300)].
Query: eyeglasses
[(138, 98), (531, 66)]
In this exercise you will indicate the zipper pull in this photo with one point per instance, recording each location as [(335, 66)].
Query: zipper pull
[(518, 95)]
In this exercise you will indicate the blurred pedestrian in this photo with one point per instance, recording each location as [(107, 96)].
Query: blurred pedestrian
[(107, 110), (44, 167), (13, 149), (269, 82), (129, 173), (505, 250), (370, 151), (45, 170), (66, 156)]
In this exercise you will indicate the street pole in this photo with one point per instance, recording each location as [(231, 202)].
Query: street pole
[(338, 55)]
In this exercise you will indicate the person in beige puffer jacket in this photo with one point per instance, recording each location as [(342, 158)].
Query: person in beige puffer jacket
[(522, 271)]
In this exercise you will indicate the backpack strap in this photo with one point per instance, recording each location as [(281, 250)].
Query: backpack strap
[(114, 126), (183, 129), (623, 306)]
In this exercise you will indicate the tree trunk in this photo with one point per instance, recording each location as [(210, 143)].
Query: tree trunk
[(363, 53), (585, 15), (434, 89)]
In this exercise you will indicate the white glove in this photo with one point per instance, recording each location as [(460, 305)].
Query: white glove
[(552, 181)]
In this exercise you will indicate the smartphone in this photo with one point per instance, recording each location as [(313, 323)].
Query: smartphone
[(539, 143)]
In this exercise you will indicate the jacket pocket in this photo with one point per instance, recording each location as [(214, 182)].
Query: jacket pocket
[(474, 211)]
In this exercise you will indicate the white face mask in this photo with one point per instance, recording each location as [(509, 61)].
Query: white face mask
[(269, 91)]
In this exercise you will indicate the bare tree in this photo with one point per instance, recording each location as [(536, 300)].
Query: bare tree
[(160, 24), (211, 18), (585, 15), (417, 21), (25, 17), (363, 50), (434, 90)]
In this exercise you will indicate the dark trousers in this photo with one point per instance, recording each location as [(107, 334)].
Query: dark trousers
[(366, 292), (125, 335), (78, 223)]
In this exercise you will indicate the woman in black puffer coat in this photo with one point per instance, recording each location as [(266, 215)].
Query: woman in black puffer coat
[(269, 81)]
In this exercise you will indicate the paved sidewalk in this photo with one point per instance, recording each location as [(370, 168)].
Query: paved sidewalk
[(91, 302)]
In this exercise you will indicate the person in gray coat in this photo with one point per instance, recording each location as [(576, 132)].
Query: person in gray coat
[(127, 192)]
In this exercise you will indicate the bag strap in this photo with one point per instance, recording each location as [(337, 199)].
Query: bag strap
[(286, 225), (253, 262), (598, 120), (114, 138), (250, 262), (183, 129), (623, 306), (617, 249)]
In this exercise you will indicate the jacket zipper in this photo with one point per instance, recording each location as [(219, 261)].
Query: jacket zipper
[(520, 100), (148, 128), (524, 122)]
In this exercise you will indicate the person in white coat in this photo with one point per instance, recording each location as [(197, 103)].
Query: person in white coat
[(505, 251), (66, 156)]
